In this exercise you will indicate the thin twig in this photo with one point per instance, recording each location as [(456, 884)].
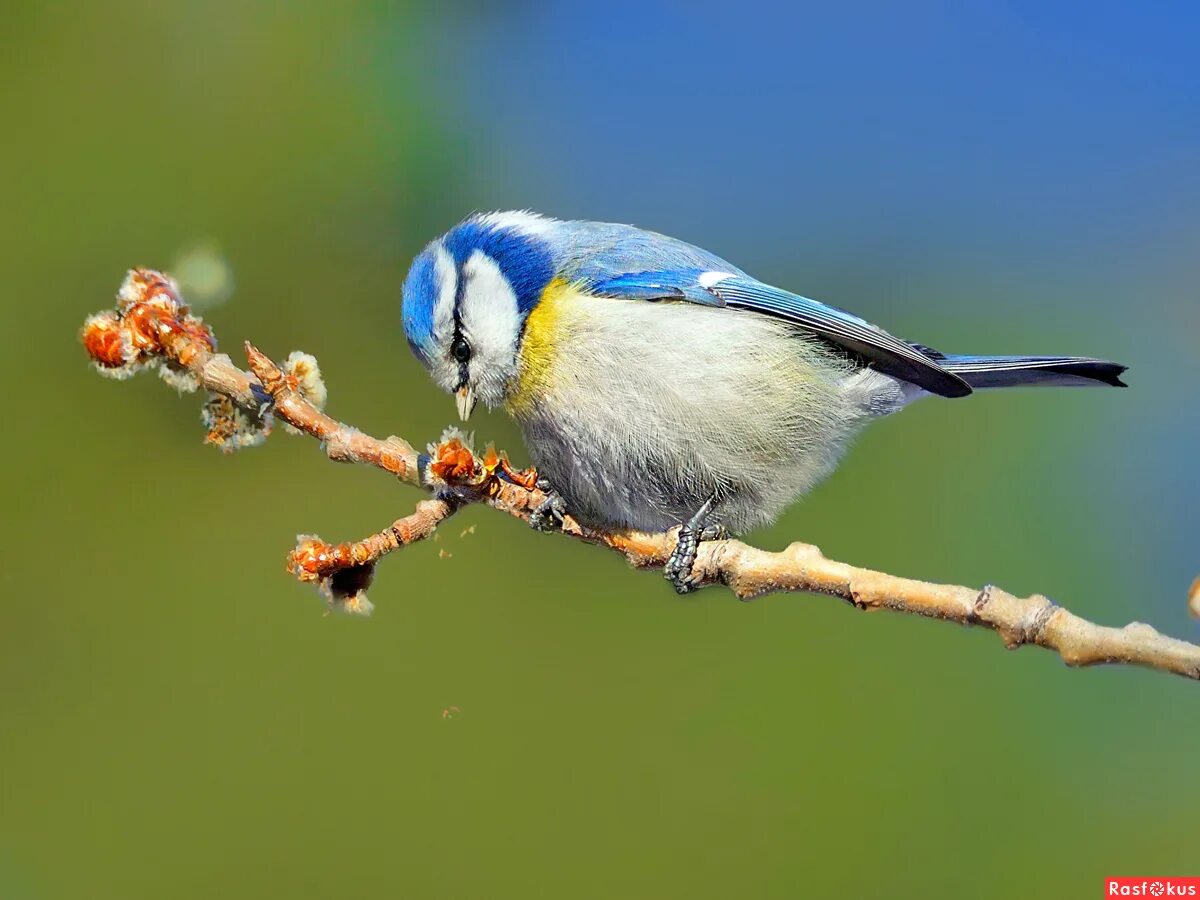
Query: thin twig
[(152, 328)]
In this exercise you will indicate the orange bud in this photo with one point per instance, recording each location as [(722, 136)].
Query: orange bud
[(103, 342), (453, 461)]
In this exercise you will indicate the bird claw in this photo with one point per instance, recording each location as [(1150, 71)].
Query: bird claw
[(550, 513), (696, 530)]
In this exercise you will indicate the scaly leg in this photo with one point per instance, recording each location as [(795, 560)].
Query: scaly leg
[(703, 526), (550, 512)]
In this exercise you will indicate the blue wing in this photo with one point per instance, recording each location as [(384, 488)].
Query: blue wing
[(673, 284), (736, 291)]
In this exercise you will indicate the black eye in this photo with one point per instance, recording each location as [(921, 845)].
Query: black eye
[(461, 349)]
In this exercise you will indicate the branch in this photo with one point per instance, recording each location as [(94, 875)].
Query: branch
[(151, 328)]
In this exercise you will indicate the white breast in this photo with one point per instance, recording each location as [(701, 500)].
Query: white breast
[(646, 409)]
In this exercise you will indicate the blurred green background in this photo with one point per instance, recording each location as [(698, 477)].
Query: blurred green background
[(181, 720)]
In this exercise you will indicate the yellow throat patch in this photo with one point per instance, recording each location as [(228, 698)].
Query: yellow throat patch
[(535, 358)]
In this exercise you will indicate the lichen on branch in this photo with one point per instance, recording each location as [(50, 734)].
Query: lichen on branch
[(151, 328)]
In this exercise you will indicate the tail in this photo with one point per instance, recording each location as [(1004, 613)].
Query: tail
[(1015, 371)]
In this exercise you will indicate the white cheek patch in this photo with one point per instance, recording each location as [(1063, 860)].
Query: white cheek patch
[(489, 314), (443, 307)]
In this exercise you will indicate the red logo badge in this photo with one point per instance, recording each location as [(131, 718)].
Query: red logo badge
[(1152, 887)]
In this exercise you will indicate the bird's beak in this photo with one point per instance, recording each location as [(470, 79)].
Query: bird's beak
[(465, 398)]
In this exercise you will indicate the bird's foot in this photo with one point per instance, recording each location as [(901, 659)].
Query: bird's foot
[(550, 513), (700, 527)]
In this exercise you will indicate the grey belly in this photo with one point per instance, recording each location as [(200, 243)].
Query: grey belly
[(647, 485)]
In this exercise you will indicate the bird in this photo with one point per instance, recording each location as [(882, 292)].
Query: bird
[(656, 384)]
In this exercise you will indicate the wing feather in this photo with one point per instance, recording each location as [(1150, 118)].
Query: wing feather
[(886, 353)]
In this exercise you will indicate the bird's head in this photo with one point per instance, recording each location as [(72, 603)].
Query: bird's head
[(466, 298)]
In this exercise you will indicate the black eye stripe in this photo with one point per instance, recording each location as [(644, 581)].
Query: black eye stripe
[(460, 349), (460, 291)]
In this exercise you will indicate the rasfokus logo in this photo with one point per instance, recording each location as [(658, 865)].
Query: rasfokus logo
[(1152, 887)]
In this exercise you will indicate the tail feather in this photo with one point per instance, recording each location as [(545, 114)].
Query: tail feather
[(1013, 371)]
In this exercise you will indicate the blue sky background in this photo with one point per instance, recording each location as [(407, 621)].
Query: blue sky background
[(1051, 133)]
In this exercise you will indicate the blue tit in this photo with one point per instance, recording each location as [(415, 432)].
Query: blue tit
[(657, 384)]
